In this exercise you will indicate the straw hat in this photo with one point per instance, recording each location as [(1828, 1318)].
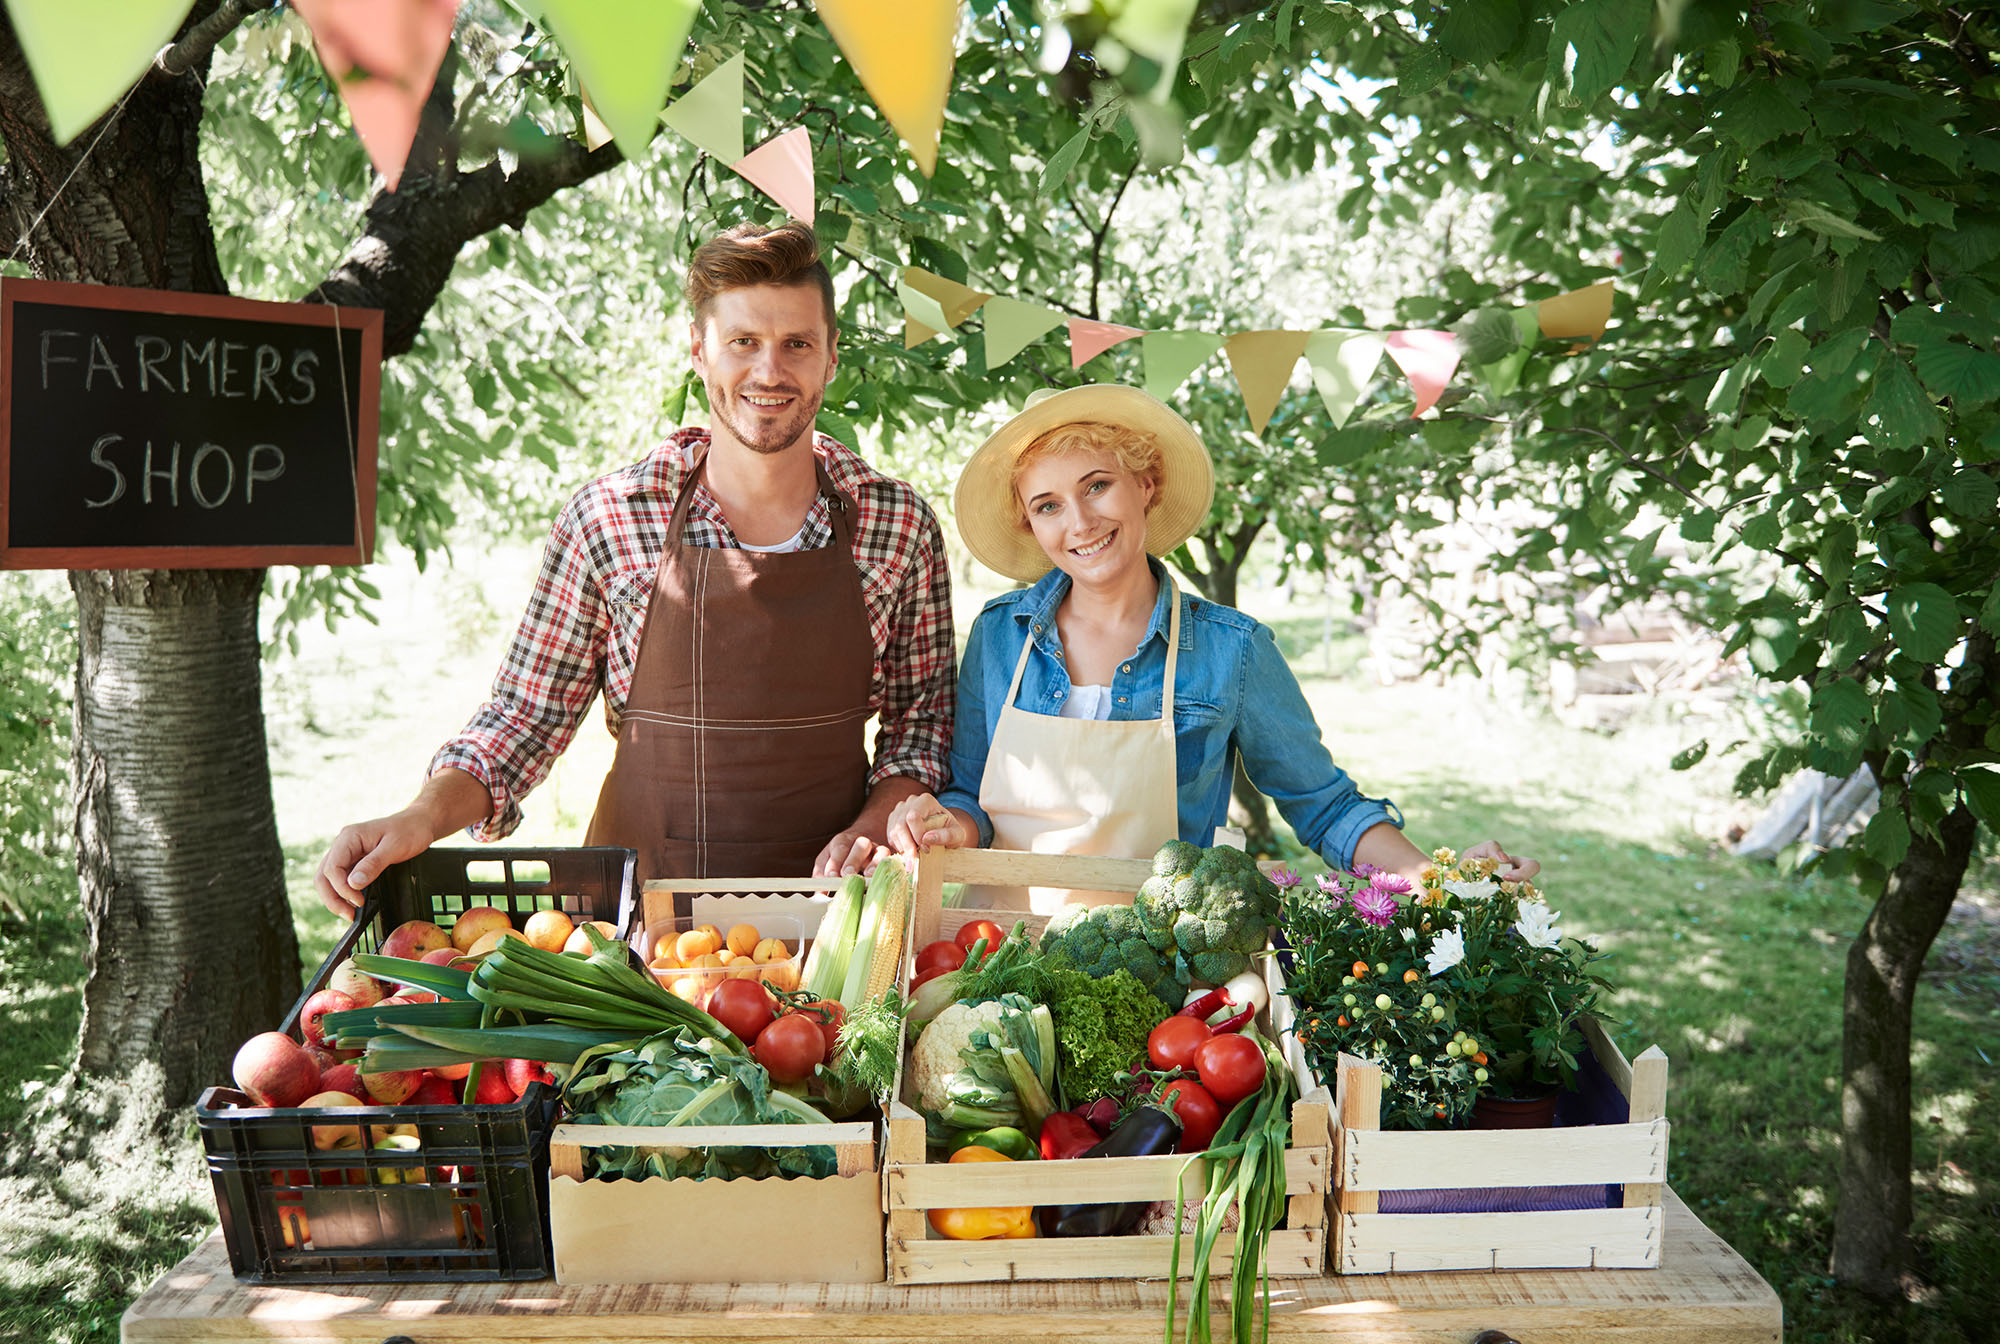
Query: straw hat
[(989, 515)]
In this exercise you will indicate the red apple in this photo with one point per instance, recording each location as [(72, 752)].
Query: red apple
[(386, 1089), (317, 1007), (341, 1078), (325, 1056), (326, 1137), (440, 956), (275, 1070), (476, 923), (433, 1091), (521, 1072), (356, 984), (493, 1089), (412, 938)]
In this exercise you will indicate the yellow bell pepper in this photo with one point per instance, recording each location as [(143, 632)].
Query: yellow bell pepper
[(982, 1224)]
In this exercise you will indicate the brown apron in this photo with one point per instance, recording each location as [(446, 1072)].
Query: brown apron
[(741, 752)]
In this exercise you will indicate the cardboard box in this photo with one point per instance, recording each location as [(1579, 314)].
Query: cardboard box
[(1296, 1248), (827, 1230)]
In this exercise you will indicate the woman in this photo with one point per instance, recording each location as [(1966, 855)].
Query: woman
[(1101, 710)]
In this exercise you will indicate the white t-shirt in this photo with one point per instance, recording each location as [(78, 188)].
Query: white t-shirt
[(788, 545), (1087, 702)]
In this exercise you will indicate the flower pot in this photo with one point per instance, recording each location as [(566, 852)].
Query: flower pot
[(1515, 1112)]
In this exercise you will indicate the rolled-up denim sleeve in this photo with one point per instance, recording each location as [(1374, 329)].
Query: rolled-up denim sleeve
[(972, 722), (1285, 757)]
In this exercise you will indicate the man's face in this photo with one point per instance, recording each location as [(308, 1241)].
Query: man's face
[(766, 355)]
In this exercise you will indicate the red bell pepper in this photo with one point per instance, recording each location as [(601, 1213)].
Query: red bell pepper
[(1066, 1134)]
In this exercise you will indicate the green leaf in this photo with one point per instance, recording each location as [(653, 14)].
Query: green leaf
[(1773, 641), (1849, 635), (1981, 786), (1698, 525), (1925, 621), (1422, 70), (1887, 838), (1922, 712), (1840, 717), (1785, 360), (1989, 614), (1822, 220), (1763, 532), (1968, 375), (1592, 43), (1725, 262), (1479, 31), (1063, 162), (1760, 110), (1680, 238), (1689, 757), (1900, 413), (1831, 387), (1972, 494)]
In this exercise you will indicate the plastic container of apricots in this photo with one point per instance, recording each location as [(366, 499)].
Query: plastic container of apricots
[(690, 957)]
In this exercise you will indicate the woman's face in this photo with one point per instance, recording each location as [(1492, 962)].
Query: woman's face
[(1088, 513)]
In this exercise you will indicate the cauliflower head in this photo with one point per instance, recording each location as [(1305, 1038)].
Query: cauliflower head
[(935, 1056)]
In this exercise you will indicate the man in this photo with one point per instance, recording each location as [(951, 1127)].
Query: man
[(745, 598)]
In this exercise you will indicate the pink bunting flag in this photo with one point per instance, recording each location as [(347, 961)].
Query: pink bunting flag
[(1427, 359), (1088, 340), (383, 56), (782, 168)]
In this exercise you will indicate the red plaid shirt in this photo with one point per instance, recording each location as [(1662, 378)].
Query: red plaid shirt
[(581, 631)]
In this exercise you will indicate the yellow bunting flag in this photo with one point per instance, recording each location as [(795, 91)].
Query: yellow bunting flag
[(902, 53), (1427, 359), (1172, 355), (1156, 29), (1263, 362), (782, 168), (1011, 325), (84, 54), (957, 301), (1342, 362), (711, 113), (383, 56), (625, 52), (915, 333), (1580, 314), (1503, 375), (596, 135), (1088, 339)]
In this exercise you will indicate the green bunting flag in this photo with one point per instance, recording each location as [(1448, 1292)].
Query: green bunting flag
[(1170, 356), (625, 53), (1157, 30), (1342, 363), (84, 54), (711, 113), (1011, 325)]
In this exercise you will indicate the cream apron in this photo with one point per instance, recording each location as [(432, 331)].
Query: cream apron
[(1080, 786)]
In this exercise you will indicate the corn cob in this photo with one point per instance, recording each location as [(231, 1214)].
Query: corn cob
[(888, 960), (825, 972), (881, 931)]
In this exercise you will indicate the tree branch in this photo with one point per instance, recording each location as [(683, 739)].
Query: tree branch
[(198, 43)]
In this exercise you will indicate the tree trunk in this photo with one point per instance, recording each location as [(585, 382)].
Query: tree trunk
[(191, 942), (192, 948), (1218, 584)]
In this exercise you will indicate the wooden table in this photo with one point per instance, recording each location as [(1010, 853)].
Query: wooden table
[(1703, 1294)]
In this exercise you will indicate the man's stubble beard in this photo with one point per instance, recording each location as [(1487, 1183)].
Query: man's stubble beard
[(779, 439)]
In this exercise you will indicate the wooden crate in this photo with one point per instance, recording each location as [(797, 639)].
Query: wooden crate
[(1369, 1161), (799, 1230), (913, 1184)]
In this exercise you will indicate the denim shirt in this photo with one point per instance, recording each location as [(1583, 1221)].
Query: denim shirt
[(1233, 695)]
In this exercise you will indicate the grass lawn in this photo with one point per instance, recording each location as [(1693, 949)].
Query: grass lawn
[(1730, 967)]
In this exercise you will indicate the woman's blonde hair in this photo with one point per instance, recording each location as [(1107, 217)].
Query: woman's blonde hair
[(1135, 450)]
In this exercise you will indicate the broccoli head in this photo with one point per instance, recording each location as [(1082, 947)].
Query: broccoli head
[(1103, 939), (1213, 907)]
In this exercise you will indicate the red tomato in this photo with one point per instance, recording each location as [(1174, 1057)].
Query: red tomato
[(1198, 1112), (941, 954), (790, 1048), (977, 929), (744, 1006), (1172, 1044), (827, 1015), (1231, 1067), (922, 978)]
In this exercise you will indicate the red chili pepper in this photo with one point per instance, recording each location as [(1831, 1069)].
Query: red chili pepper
[(1217, 1000), (1066, 1134)]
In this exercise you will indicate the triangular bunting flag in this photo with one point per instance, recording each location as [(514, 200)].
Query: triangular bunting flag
[(596, 135), (1262, 362), (1342, 362), (1427, 359), (1580, 314), (1012, 324), (383, 56), (1172, 355), (1088, 339), (711, 113), (782, 168), (1156, 29), (915, 333), (956, 302), (921, 309), (1503, 375), (625, 52), (84, 54), (903, 54)]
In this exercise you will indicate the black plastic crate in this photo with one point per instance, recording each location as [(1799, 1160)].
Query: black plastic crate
[(466, 1201)]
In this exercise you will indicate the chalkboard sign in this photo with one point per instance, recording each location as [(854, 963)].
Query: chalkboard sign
[(151, 429)]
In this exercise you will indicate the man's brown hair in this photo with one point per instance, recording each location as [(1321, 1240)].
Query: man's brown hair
[(751, 254)]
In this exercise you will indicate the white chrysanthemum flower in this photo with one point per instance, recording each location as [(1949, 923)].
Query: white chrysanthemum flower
[(1537, 925), (1447, 950), (1468, 891)]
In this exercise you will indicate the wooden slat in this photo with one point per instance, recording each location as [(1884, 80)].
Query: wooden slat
[(939, 1185), (1648, 1097), (1358, 1093), (656, 900), (703, 1136), (1292, 1255), (1609, 1056), (1013, 868), (1703, 1293), (1426, 1160), (1415, 1243)]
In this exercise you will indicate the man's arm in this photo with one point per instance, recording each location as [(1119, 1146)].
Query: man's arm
[(450, 800)]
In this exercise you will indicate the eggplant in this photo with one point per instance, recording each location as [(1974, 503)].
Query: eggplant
[(1148, 1132)]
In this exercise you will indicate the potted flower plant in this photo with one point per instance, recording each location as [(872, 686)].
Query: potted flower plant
[(1461, 987)]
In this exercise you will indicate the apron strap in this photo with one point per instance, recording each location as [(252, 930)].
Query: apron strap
[(1173, 656), (840, 509)]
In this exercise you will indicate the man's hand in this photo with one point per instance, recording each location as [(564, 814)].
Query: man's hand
[(860, 846), (1511, 869), (361, 852), (846, 854)]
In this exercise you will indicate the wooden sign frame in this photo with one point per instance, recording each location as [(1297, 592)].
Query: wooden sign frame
[(361, 324)]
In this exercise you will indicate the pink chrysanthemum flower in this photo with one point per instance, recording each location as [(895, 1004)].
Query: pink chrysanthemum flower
[(1364, 871), (1283, 878), (1332, 887), (1375, 906), (1393, 883)]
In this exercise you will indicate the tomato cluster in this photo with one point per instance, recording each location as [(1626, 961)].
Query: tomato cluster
[(948, 954), (790, 1039), (1226, 1068)]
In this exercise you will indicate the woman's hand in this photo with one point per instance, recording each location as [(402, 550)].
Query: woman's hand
[(921, 822), (1511, 869)]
